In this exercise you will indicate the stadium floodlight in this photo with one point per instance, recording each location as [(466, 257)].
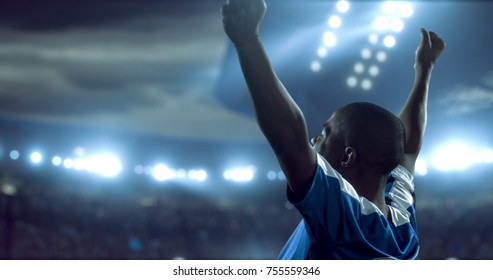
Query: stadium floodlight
[(106, 165), (68, 163), (281, 176), (373, 38), (381, 56), (487, 156), (241, 174), (14, 155), (316, 66), (36, 157), (454, 156), (161, 172), (359, 68), (342, 6), (397, 25), (374, 70), (366, 84), (181, 174), (322, 52), (389, 7), (352, 81), (389, 41), (405, 9), (197, 175), (366, 53), (329, 39), (271, 175), (79, 164), (80, 151), (381, 23), (335, 22), (56, 161)]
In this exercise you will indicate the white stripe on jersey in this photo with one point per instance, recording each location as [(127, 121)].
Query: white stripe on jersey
[(400, 193)]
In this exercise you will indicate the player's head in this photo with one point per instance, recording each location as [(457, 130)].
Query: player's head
[(363, 136)]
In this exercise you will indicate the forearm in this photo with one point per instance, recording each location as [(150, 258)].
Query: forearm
[(278, 116), (414, 112)]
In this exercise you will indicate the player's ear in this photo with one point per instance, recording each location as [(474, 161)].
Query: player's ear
[(349, 157)]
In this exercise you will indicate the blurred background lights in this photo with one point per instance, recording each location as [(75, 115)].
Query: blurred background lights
[(406, 9), (421, 167), (9, 189), (454, 156), (487, 156), (68, 163), (381, 23), (389, 7), (366, 53), (335, 22), (359, 68), (316, 66), (397, 25), (352, 81), (373, 39), (79, 151), (241, 174), (56, 161), (366, 84), (271, 175), (14, 155), (342, 6), (79, 164), (161, 172), (281, 176), (329, 39), (139, 169), (374, 70), (381, 56), (322, 52), (36, 157), (197, 175), (389, 41), (106, 165)]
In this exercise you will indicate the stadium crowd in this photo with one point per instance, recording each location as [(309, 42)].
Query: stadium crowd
[(60, 219)]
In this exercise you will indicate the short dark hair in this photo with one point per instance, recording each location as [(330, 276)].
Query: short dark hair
[(377, 135)]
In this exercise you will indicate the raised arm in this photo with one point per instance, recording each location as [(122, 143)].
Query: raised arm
[(278, 116), (414, 112)]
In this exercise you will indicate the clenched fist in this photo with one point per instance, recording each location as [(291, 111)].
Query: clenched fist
[(242, 18), (429, 49)]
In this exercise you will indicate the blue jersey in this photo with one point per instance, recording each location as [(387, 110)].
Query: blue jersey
[(338, 224)]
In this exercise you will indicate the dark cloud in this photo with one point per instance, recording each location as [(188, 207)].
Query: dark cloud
[(52, 15), (149, 67)]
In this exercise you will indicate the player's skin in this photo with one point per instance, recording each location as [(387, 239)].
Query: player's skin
[(283, 124)]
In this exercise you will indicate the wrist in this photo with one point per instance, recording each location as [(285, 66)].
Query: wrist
[(246, 42), (421, 68)]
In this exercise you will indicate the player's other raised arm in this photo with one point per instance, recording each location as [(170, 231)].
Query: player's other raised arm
[(414, 113), (278, 116)]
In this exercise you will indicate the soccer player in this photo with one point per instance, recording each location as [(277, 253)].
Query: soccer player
[(353, 183)]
